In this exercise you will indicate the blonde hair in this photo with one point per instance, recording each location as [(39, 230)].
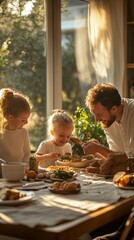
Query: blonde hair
[(59, 119), (13, 103)]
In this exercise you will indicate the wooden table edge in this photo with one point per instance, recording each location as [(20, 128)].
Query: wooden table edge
[(72, 229)]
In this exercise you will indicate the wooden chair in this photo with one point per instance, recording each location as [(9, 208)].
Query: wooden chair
[(124, 232), (129, 227)]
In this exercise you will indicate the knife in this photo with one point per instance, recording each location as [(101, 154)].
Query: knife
[(33, 184)]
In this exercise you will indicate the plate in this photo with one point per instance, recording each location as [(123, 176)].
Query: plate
[(125, 187), (29, 196), (64, 191), (100, 175), (77, 164)]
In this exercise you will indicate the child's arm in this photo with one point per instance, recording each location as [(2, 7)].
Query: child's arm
[(48, 156)]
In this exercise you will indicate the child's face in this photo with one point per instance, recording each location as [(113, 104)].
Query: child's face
[(62, 135), (18, 121)]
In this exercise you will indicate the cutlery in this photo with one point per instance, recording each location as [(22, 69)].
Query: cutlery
[(33, 184)]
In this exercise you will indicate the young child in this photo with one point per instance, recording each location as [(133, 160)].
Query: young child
[(14, 114), (60, 128)]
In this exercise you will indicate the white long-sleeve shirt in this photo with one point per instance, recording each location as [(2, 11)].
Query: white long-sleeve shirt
[(120, 136), (15, 145)]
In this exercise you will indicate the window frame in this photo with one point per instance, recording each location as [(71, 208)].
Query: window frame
[(54, 56)]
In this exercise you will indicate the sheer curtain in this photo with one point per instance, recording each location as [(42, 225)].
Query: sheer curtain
[(105, 31)]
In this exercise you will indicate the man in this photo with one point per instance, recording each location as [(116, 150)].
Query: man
[(116, 115)]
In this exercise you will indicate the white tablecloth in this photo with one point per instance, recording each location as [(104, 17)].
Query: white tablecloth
[(50, 209)]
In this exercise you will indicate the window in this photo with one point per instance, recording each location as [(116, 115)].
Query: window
[(50, 66), (76, 65), (23, 57)]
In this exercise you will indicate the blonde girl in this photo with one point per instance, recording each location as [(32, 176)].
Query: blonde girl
[(14, 114), (60, 128)]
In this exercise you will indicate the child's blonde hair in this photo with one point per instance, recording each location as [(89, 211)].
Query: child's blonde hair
[(13, 103), (59, 119)]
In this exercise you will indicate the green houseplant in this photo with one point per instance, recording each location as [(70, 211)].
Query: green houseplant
[(86, 128)]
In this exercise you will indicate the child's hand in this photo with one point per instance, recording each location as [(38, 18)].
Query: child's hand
[(54, 155)]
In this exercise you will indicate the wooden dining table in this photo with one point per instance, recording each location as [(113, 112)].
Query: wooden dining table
[(77, 214)]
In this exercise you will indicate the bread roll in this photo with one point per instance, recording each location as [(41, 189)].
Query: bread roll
[(9, 194)]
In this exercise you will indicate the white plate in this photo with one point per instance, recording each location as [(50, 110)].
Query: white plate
[(125, 187), (29, 196), (77, 164), (100, 175)]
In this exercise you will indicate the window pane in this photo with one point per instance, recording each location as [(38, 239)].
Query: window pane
[(23, 57), (75, 54)]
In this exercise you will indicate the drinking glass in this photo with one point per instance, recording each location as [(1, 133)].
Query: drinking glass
[(130, 155)]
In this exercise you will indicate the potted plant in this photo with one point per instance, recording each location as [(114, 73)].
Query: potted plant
[(86, 128)]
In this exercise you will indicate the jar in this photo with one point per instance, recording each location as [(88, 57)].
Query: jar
[(33, 164)]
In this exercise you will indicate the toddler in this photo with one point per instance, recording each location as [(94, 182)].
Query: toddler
[(60, 128)]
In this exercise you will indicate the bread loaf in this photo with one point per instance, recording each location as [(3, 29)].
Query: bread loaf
[(114, 163)]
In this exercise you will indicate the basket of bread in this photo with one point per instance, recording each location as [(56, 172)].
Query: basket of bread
[(65, 187)]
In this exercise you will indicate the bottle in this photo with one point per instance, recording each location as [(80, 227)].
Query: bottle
[(33, 164)]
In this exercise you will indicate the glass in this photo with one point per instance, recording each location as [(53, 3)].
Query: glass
[(130, 155)]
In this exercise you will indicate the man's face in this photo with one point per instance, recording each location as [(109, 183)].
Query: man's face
[(104, 116)]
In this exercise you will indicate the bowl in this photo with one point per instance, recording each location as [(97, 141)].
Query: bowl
[(13, 171)]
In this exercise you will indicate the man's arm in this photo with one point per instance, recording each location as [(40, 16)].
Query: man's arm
[(93, 147)]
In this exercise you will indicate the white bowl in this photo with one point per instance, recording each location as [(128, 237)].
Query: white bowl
[(13, 171)]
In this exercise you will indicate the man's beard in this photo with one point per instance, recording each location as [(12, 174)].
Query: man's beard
[(109, 122)]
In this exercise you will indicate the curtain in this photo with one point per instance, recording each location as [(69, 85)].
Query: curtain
[(105, 31)]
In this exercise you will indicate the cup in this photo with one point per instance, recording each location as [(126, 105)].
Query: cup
[(130, 155)]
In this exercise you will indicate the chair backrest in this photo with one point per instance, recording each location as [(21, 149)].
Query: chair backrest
[(129, 225)]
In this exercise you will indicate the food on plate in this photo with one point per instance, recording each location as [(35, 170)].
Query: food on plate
[(69, 158), (60, 174), (31, 174), (123, 179), (87, 157), (114, 163), (76, 158), (52, 174), (118, 176), (56, 167), (10, 194), (65, 186)]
